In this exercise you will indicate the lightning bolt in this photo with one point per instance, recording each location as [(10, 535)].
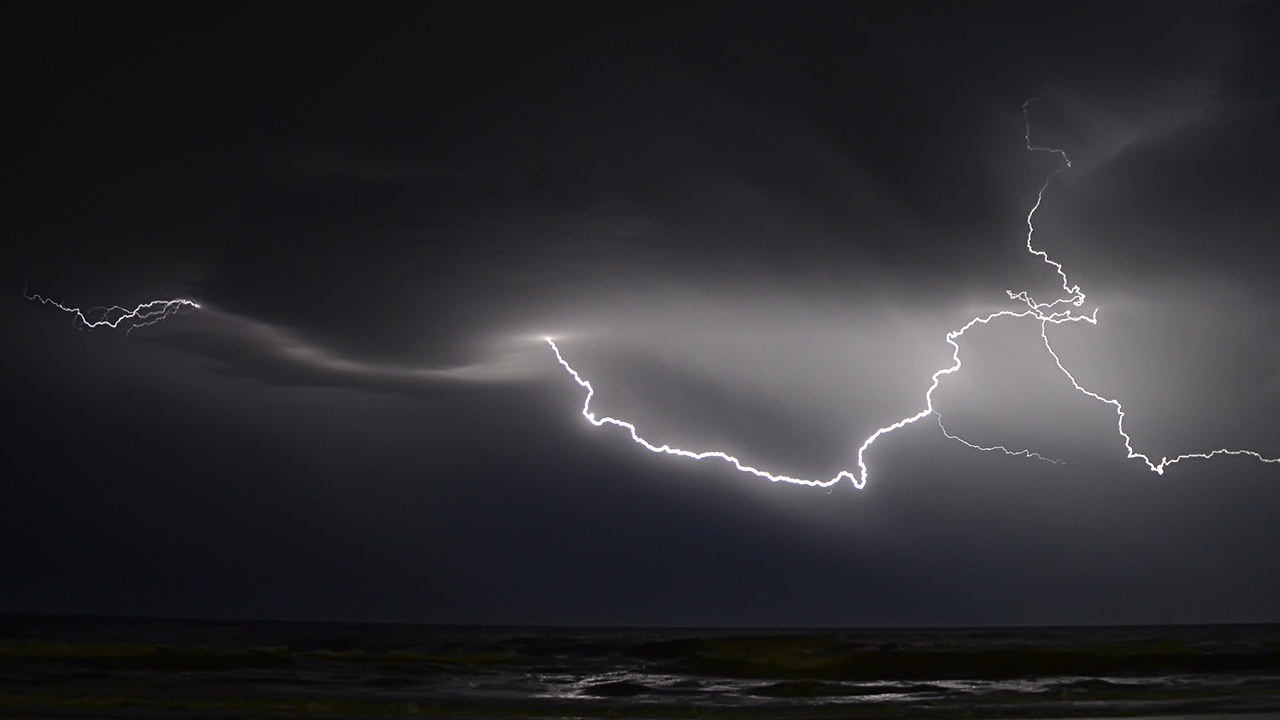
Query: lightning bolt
[(1055, 312), (148, 313), (591, 417), (1046, 313)]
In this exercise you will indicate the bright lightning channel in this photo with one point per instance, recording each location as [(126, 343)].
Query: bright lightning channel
[(148, 313), (1046, 313)]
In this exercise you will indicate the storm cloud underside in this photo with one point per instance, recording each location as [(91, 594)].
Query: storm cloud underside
[(754, 233)]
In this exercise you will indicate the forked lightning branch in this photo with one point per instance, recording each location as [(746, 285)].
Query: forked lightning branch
[(1063, 309)]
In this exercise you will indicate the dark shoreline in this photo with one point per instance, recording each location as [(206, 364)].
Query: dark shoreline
[(79, 666)]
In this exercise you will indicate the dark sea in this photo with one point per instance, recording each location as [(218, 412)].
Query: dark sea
[(114, 668)]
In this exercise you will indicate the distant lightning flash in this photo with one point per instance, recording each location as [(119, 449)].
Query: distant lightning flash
[(1045, 313), (148, 313)]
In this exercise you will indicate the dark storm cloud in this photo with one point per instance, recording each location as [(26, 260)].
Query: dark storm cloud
[(664, 163), (751, 228)]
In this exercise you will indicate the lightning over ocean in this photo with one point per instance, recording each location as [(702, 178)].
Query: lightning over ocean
[(562, 320)]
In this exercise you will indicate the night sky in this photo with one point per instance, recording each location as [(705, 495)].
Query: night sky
[(750, 227)]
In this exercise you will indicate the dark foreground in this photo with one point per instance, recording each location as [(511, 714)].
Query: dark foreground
[(88, 667)]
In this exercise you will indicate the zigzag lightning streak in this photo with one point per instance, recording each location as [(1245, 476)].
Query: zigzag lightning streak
[(1044, 312)]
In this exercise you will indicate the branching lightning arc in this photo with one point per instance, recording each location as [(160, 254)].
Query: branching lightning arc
[(1055, 312), (1064, 309)]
